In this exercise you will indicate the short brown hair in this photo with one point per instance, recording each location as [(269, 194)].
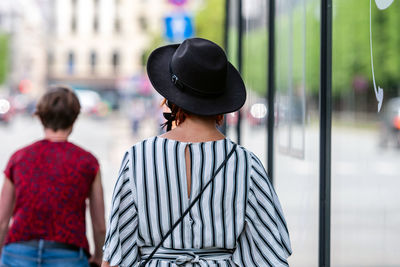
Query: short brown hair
[(58, 108), (180, 114)]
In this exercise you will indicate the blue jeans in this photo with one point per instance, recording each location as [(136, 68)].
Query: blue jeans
[(16, 255)]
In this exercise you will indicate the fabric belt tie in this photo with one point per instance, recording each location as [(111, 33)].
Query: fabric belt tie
[(183, 256), (188, 258)]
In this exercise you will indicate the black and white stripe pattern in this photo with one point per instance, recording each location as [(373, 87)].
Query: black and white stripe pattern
[(239, 210)]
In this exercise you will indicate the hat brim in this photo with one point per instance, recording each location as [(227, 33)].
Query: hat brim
[(232, 99)]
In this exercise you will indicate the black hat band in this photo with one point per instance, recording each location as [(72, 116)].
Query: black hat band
[(185, 87)]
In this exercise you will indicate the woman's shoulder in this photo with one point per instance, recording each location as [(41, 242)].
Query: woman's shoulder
[(141, 143), (250, 155), (133, 150), (21, 152), (253, 159), (82, 151)]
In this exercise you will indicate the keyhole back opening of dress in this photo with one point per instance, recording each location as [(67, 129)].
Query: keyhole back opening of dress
[(188, 170)]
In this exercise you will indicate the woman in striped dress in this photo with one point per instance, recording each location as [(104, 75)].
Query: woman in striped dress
[(237, 220)]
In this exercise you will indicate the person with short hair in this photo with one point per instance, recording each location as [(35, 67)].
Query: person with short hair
[(192, 197), (45, 190)]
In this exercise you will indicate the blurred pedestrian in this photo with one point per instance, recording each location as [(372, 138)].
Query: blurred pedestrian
[(192, 197), (45, 190), (137, 113)]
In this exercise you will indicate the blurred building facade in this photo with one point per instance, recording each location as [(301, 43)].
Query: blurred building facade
[(88, 44), (92, 43), (23, 22)]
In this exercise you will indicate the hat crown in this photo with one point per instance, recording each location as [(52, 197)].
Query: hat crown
[(201, 65), (197, 77)]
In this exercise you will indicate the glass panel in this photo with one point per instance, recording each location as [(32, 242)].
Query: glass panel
[(365, 143), (296, 141), (232, 52), (255, 47)]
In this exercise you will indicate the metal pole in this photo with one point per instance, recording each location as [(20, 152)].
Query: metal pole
[(239, 60), (325, 134), (271, 89), (290, 61), (226, 25), (226, 47)]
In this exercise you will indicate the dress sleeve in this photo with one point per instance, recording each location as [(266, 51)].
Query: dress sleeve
[(120, 247), (8, 171), (95, 166), (265, 237)]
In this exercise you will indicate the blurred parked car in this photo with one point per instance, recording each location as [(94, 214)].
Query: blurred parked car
[(257, 113), (92, 103), (22, 103), (390, 129), (111, 97), (231, 118), (5, 110)]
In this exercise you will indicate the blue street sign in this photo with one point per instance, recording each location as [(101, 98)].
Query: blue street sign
[(178, 26)]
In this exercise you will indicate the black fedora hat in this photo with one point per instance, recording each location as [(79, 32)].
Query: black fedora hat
[(197, 77)]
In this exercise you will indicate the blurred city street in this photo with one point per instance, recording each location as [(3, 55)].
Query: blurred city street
[(365, 199), (372, 191), (100, 49)]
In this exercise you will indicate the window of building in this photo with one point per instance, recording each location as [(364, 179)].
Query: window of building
[(96, 24), (50, 61), (73, 24), (93, 62), (117, 19), (117, 25), (143, 24), (115, 61), (96, 16), (71, 63), (73, 16)]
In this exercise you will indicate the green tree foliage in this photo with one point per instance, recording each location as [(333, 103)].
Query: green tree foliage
[(3, 58), (209, 21), (255, 62), (350, 44), (156, 41), (386, 41), (350, 47)]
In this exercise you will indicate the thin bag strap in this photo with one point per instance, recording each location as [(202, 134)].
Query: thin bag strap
[(189, 208)]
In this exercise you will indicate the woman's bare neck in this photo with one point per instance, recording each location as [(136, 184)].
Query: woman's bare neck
[(194, 130), (57, 136)]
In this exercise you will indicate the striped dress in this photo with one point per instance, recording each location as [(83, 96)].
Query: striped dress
[(238, 221)]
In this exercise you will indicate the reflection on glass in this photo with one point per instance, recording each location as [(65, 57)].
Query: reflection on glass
[(296, 124), (232, 51), (254, 113), (365, 154)]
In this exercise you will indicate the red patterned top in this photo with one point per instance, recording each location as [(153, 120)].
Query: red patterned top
[(52, 182)]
